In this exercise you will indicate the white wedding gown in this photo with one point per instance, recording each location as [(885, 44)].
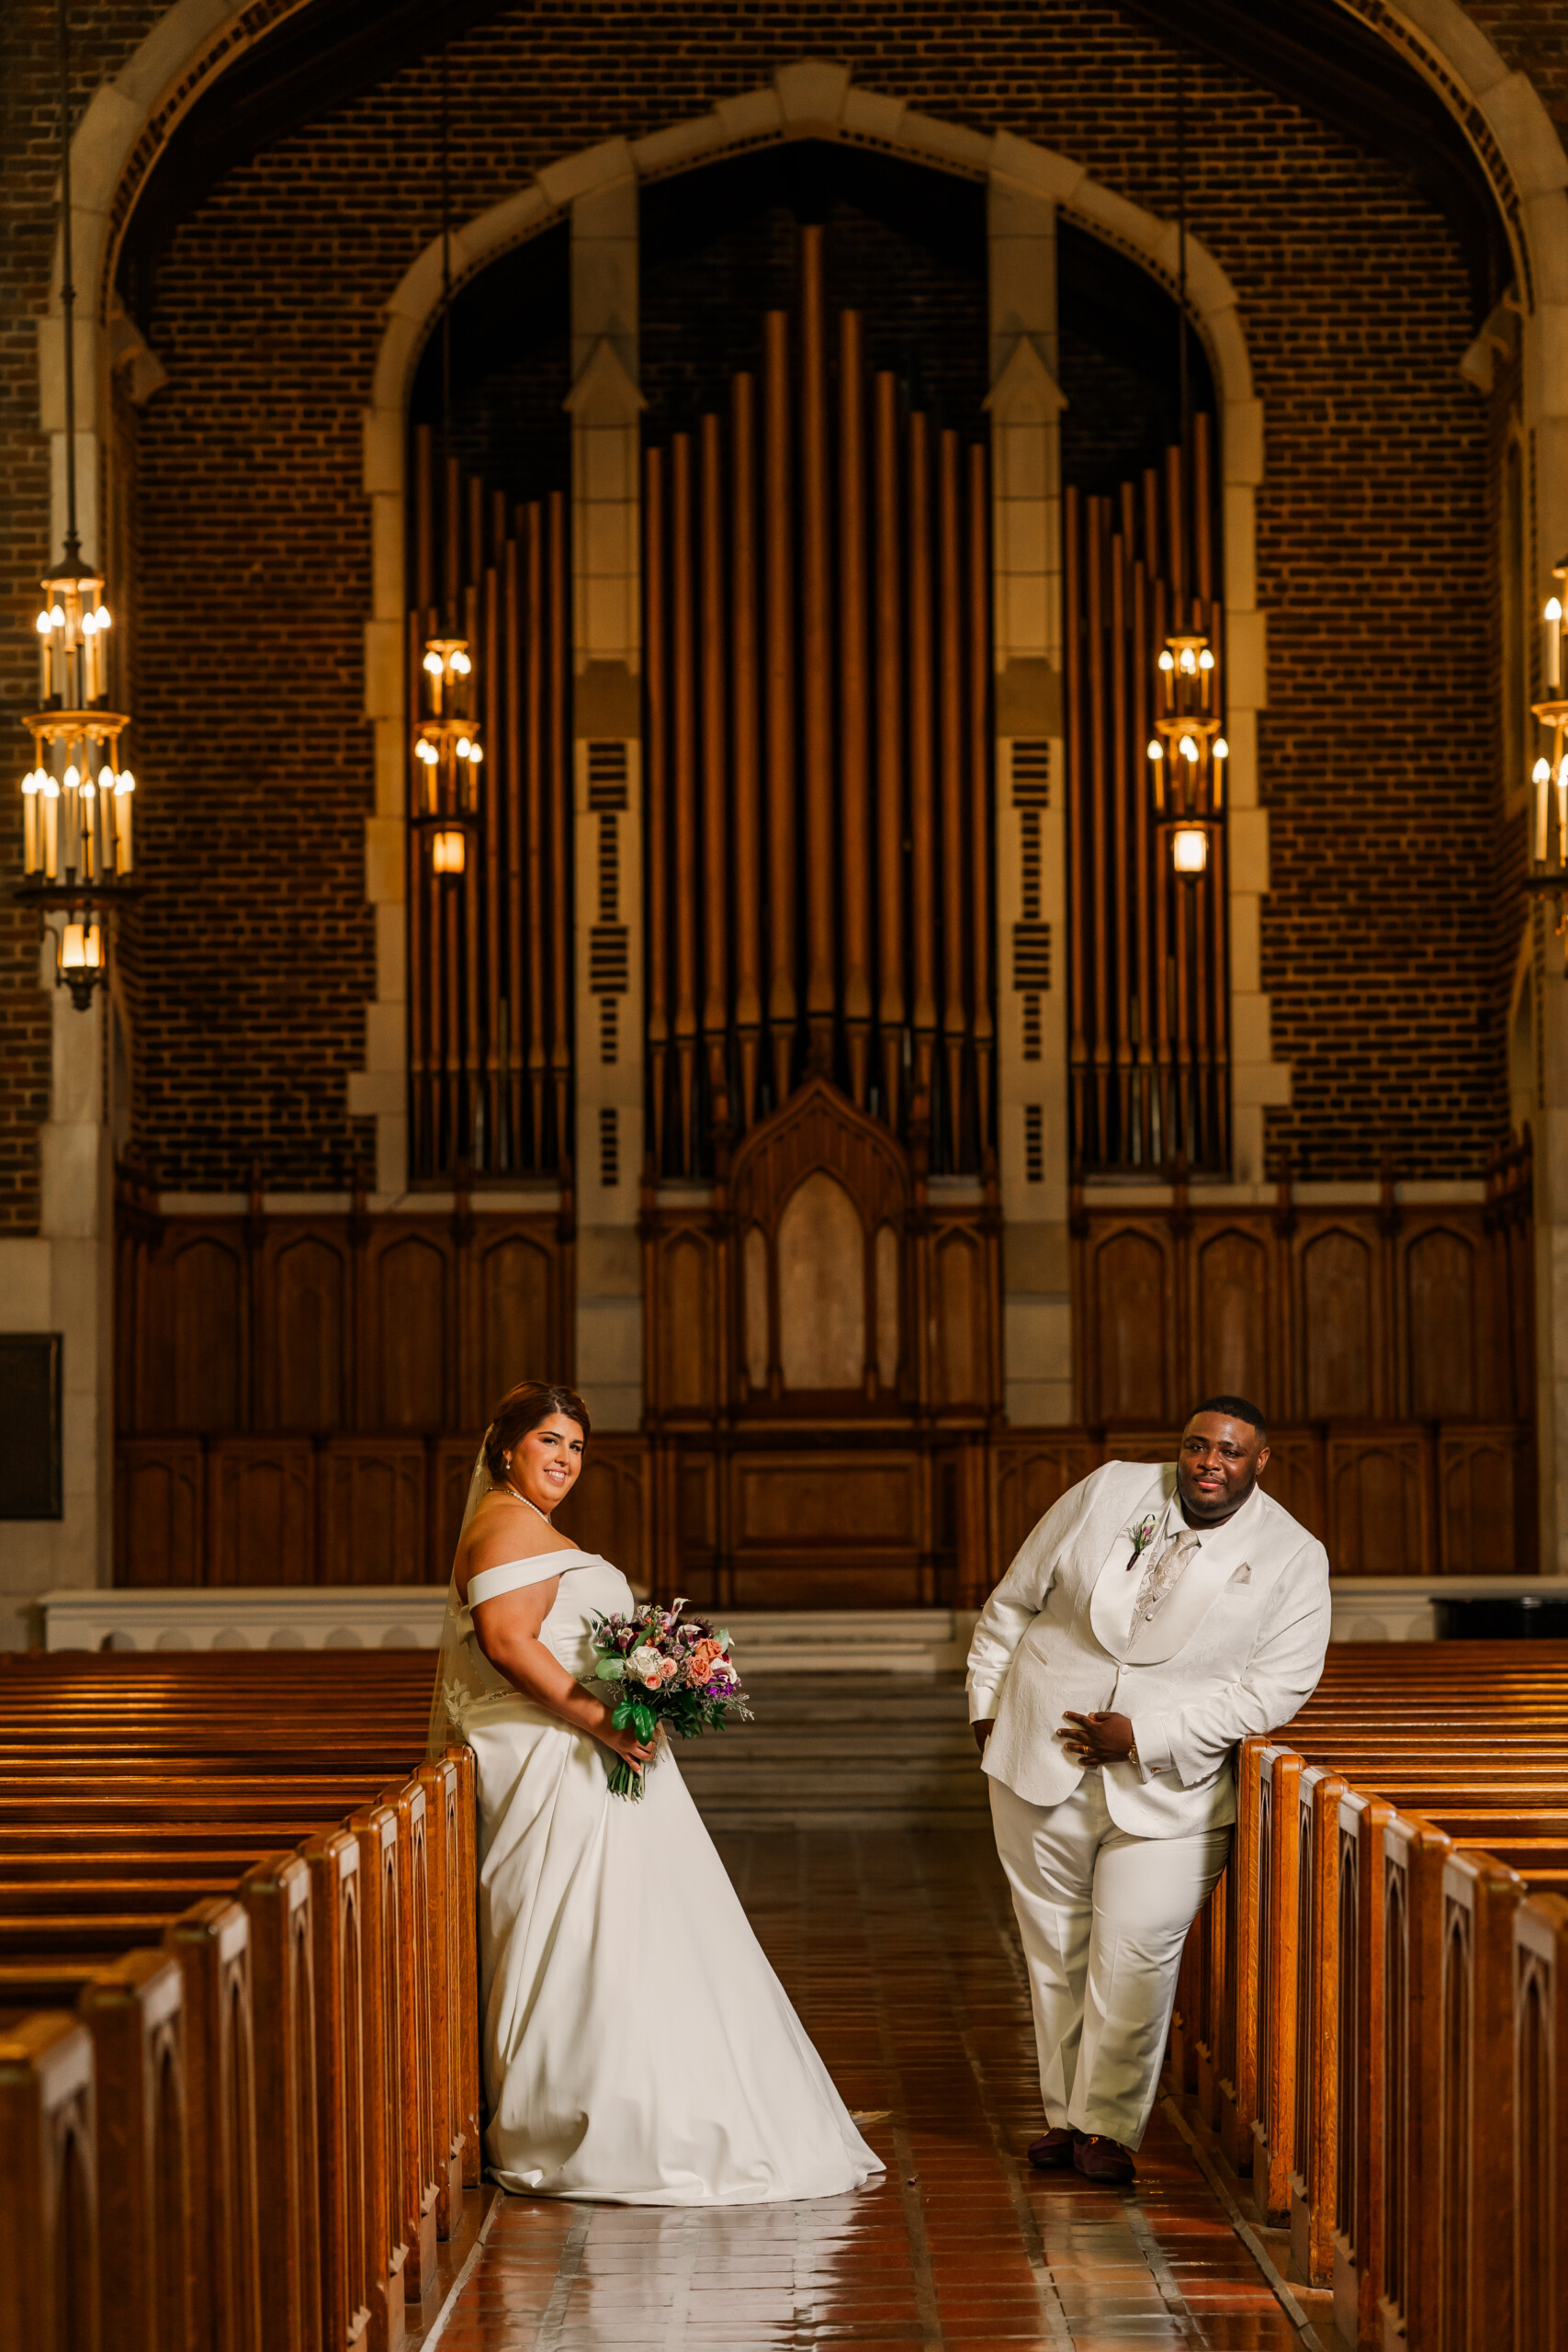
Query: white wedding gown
[(638, 2046)]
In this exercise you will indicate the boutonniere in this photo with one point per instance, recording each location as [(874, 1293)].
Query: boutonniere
[(1142, 1535)]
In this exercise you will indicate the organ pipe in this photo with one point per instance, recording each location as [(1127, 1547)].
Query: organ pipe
[(559, 605), (818, 649), (855, 714), (953, 794), (747, 739), (817, 627), (715, 778), (781, 696), (889, 742), (655, 767), (489, 938), (683, 761), (979, 617), (922, 766), (1149, 1000)]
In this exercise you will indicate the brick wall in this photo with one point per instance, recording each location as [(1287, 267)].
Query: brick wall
[(1378, 749)]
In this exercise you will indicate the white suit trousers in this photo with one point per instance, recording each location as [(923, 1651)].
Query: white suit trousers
[(1103, 1916)]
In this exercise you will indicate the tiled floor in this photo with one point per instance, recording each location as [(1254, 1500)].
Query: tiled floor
[(898, 1952)]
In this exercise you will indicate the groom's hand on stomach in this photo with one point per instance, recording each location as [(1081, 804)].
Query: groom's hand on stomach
[(1096, 1739)]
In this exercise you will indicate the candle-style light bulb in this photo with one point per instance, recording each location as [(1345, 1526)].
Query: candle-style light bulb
[(1552, 619), (1542, 781)]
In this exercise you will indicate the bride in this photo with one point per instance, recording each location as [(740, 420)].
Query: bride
[(638, 2046)]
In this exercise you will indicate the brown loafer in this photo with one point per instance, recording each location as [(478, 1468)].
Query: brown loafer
[(1055, 2152), (1099, 2159)]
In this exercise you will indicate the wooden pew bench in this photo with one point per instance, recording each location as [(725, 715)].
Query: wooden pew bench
[(323, 2001), (1348, 2001)]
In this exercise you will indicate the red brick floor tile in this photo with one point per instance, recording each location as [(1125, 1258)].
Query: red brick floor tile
[(901, 1955)]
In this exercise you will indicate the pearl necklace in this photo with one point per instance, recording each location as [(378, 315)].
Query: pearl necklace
[(506, 1487)]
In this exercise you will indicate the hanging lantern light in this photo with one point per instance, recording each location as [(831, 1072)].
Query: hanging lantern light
[(448, 754), (1186, 752), (76, 795)]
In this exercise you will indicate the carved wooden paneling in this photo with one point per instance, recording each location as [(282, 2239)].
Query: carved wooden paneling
[(685, 1350), (1236, 1340), (192, 1350), (822, 1285), (1486, 1519), (1031, 1473), (410, 1277), (308, 1312), (1375, 1312), (451, 1467), (1447, 1370), (261, 1511), (1340, 1325), (1130, 1318), (158, 1510), (827, 1530), (1379, 1503), (372, 1512), (1294, 1477), (959, 1359), (521, 1337)]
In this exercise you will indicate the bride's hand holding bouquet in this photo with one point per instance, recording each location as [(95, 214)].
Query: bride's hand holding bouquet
[(676, 1674)]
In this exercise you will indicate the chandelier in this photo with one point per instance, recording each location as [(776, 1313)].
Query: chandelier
[(1548, 876), (447, 747), (76, 798)]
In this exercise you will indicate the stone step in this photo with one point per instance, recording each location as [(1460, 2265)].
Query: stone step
[(891, 1752)]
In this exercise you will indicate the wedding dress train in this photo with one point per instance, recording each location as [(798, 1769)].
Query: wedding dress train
[(638, 2046)]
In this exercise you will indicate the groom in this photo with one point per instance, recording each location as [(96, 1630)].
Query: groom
[(1153, 1617)]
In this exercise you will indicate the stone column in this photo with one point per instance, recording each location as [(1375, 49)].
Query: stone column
[(1545, 386), (61, 1280), (606, 406), (1025, 404)]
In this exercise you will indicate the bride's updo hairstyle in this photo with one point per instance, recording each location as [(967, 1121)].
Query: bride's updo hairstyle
[(528, 1406)]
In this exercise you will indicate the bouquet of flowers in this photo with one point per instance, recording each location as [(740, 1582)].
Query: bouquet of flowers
[(676, 1674)]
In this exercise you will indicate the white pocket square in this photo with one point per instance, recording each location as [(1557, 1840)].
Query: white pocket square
[(1243, 1575)]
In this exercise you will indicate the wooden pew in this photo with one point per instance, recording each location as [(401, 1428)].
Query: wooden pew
[(284, 1993), (276, 1899), (135, 2013), (49, 2237), (1541, 2123), (1372, 1977)]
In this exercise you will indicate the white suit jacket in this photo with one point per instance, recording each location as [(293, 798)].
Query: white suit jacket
[(1237, 1646)]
